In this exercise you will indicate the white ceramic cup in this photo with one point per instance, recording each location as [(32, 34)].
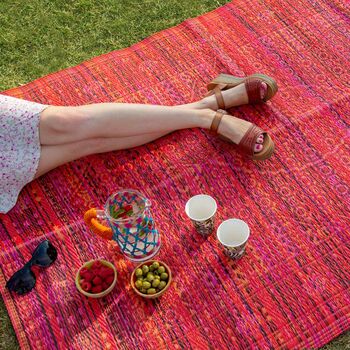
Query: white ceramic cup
[(201, 210), (233, 234)]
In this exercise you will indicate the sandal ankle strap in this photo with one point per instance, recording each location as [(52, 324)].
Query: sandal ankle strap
[(219, 98), (216, 122)]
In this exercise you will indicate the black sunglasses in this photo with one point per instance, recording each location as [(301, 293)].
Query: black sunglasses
[(23, 281)]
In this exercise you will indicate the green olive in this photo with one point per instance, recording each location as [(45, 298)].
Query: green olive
[(138, 284), (138, 272), (143, 290), (146, 284), (164, 276), (161, 269), (155, 283), (145, 269), (151, 268), (155, 265), (157, 277), (150, 277), (162, 284), (155, 272), (151, 291)]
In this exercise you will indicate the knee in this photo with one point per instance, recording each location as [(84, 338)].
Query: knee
[(63, 120)]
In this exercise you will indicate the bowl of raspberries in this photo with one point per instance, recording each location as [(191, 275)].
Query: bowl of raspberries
[(96, 278)]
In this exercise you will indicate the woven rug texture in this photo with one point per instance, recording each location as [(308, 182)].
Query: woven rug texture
[(291, 289)]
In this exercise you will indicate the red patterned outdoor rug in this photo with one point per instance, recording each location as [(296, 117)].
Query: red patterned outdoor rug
[(291, 289)]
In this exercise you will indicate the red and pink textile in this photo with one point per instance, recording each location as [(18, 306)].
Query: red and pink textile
[(291, 289)]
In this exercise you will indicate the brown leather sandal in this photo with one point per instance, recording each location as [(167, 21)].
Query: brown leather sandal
[(248, 141), (252, 83)]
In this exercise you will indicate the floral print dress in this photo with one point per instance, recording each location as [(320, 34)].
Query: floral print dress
[(19, 147)]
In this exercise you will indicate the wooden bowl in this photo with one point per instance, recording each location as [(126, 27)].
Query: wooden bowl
[(161, 292), (103, 293)]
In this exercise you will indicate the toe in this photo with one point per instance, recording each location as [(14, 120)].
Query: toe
[(258, 147), (260, 139), (263, 90)]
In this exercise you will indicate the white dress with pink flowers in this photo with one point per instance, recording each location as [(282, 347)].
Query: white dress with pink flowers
[(19, 147)]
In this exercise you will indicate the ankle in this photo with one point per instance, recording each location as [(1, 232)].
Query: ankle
[(205, 118), (208, 102), (235, 96)]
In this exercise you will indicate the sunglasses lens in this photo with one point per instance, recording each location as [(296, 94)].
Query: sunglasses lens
[(22, 281), (45, 254)]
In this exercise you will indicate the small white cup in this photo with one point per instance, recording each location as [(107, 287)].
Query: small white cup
[(233, 234), (201, 210)]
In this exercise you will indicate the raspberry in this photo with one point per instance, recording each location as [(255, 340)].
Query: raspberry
[(84, 271), (109, 280), (110, 272), (85, 285), (97, 280), (104, 273), (88, 276), (105, 285), (97, 289), (97, 265), (97, 272)]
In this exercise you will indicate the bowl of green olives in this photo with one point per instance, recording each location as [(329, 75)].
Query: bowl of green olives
[(151, 279)]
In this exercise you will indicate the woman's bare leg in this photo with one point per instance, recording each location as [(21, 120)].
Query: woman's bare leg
[(69, 133), (71, 124), (55, 155), (60, 125)]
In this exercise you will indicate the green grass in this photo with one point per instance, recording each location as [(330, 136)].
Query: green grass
[(42, 36), (38, 37)]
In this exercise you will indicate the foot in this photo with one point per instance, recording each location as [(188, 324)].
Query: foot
[(233, 97), (235, 128), (238, 95)]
